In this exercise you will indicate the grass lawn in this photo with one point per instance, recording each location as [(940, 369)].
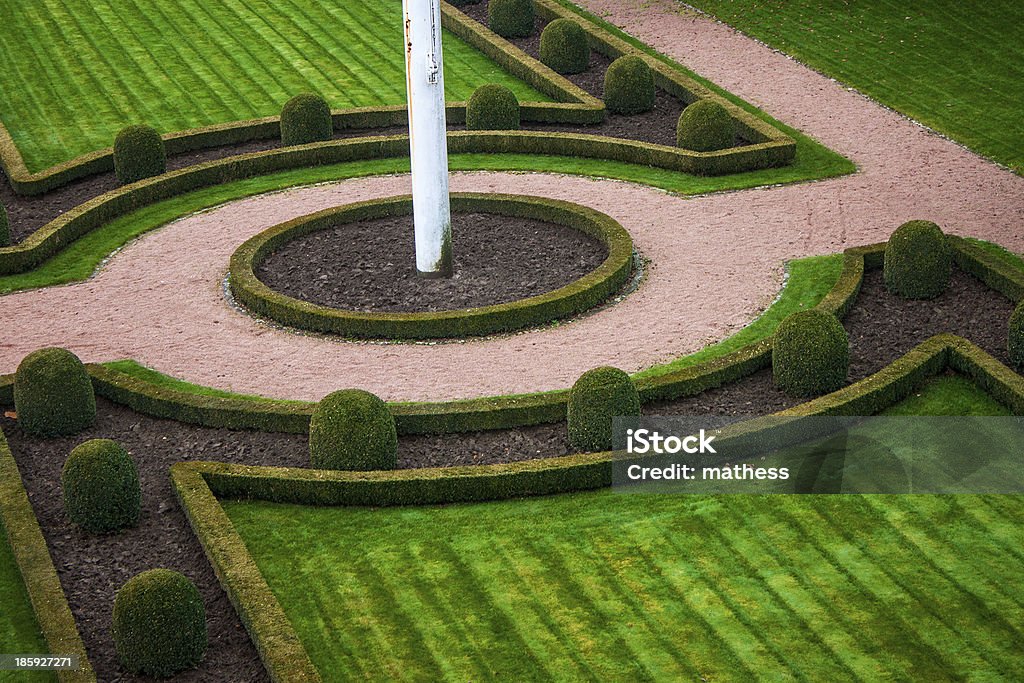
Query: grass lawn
[(74, 73), (955, 66), (19, 631), (607, 586)]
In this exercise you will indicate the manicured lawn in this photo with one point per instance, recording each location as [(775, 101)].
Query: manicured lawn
[(610, 586), (955, 66), (19, 632), (949, 395), (74, 73)]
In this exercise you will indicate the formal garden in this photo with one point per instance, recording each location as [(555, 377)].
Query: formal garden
[(243, 438)]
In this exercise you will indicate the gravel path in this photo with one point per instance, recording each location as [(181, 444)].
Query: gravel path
[(716, 260)]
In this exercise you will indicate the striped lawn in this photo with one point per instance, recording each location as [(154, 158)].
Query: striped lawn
[(73, 73), (606, 586), (19, 631), (955, 66)]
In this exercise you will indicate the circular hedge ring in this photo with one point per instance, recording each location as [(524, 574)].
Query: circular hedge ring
[(575, 297)]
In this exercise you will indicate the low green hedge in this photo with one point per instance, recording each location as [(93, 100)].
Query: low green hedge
[(37, 571), (573, 298)]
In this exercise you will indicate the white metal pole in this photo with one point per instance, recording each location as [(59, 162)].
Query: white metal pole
[(428, 145)]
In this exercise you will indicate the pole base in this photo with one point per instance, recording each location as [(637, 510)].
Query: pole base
[(435, 274)]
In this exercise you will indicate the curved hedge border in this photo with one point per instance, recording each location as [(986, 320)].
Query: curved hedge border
[(512, 411), (37, 571), (199, 484), (580, 295), (771, 147)]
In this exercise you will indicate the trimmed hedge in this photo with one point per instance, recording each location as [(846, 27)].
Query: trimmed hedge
[(53, 395), (352, 429), (510, 18), (492, 107), (810, 354), (564, 47), (598, 396), (573, 298), (37, 571), (1015, 337), (305, 118), (139, 153), (705, 126), (918, 261), (5, 227), (159, 624), (100, 486), (629, 86)]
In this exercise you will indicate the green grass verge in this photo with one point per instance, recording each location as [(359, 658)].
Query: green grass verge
[(949, 395), (954, 66), (75, 73), (19, 630), (618, 587), (79, 260)]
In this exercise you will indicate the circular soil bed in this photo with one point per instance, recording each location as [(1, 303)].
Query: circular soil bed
[(517, 261)]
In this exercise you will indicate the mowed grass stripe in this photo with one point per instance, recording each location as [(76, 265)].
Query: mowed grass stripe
[(935, 599)]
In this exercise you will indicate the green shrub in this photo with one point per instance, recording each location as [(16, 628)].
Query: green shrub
[(810, 354), (5, 228), (305, 118), (492, 107), (101, 487), (139, 153), (918, 261), (463, 3), (1015, 338), (510, 18), (352, 429), (705, 126), (53, 394), (596, 397), (629, 86), (159, 623), (564, 47)]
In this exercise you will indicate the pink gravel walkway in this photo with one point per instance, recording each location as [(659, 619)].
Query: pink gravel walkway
[(717, 260)]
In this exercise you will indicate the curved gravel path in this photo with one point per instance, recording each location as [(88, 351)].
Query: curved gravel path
[(716, 260)]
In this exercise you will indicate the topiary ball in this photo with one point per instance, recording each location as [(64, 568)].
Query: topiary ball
[(596, 397), (139, 153), (705, 126), (1015, 337), (564, 47), (629, 86), (810, 354), (353, 430), (101, 487), (305, 118), (159, 623), (918, 261), (492, 107), (5, 228), (510, 18), (53, 394)]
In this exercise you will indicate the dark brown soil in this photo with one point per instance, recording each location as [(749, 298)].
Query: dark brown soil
[(371, 265), (881, 328)]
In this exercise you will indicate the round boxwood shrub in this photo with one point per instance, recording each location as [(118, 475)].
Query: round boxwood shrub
[(492, 107), (628, 86), (510, 18), (139, 153), (564, 47), (5, 228), (918, 261), (352, 429), (596, 397), (53, 394), (159, 623), (305, 118), (1015, 338), (810, 354), (101, 487), (705, 126)]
